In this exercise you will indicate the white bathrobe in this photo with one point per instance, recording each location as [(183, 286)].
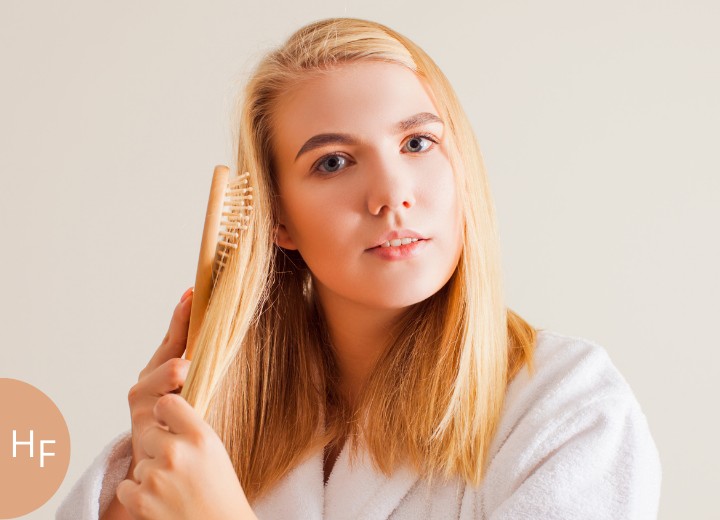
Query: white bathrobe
[(573, 443)]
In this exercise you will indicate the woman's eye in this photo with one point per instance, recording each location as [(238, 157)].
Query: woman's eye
[(415, 143), (331, 163)]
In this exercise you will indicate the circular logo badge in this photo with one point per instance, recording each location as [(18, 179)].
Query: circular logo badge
[(34, 448)]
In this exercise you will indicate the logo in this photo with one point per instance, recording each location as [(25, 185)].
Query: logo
[(34, 448)]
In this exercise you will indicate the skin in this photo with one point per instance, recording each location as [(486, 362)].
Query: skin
[(387, 180)]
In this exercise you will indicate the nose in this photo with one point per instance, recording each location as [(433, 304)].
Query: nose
[(391, 188)]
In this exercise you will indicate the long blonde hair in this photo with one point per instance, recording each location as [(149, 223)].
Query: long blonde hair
[(264, 375)]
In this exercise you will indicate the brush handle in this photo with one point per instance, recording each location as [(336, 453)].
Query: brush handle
[(208, 247)]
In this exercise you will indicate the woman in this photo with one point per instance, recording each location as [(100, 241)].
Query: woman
[(357, 359)]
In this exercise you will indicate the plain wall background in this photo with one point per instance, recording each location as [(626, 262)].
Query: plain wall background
[(599, 125)]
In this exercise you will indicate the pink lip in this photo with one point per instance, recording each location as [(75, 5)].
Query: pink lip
[(401, 252), (398, 233)]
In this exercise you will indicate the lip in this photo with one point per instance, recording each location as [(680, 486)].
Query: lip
[(395, 234), (402, 252)]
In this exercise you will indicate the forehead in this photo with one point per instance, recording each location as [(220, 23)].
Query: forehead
[(361, 98)]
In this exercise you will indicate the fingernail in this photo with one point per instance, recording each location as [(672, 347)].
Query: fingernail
[(186, 294)]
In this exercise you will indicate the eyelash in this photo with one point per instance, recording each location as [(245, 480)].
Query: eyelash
[(322, 159)]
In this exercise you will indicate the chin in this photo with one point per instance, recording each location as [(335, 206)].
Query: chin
[(400, 299)]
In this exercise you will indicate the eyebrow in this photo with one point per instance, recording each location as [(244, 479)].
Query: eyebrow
[(321, 140)]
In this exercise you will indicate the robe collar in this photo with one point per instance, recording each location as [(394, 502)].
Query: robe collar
[(353, 491)]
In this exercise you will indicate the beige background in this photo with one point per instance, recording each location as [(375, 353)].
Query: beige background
[(599, 126)]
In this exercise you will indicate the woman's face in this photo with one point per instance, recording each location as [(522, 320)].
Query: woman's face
[(339, 196)]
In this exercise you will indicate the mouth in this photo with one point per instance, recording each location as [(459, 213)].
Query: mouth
[(391, 247), (400, 252)]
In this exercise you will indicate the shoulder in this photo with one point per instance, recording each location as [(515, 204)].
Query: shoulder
[(570, 373), (573, 441), (575, 390)]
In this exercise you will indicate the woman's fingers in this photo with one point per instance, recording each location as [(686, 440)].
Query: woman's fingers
[(175, 341), (167, 378), (165, 373)]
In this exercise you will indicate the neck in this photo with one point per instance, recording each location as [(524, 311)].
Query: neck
[(359, 335)]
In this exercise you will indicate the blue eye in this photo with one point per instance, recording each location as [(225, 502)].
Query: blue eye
[(414, 139), (331, 161)]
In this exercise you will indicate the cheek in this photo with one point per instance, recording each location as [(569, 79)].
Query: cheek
[(444, 204), (319, 220), (439, 193)]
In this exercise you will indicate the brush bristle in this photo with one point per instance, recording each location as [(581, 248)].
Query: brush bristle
[(235, 219)]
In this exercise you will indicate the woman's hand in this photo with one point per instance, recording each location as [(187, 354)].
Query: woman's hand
[(196, 475), (165, 373), (187, 474)]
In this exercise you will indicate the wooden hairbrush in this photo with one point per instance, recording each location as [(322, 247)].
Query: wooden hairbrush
[(227, 214)]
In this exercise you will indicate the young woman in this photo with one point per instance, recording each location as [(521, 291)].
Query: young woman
[(358, 359)]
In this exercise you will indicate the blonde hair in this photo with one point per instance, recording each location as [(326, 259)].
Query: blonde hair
[(264, 375)]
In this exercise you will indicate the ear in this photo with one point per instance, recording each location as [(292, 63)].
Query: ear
[(283, 238)]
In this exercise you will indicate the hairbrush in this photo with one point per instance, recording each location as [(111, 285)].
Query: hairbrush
[(228, 212)]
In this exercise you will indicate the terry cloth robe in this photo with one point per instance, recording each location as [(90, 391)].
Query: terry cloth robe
[(573, 443)]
